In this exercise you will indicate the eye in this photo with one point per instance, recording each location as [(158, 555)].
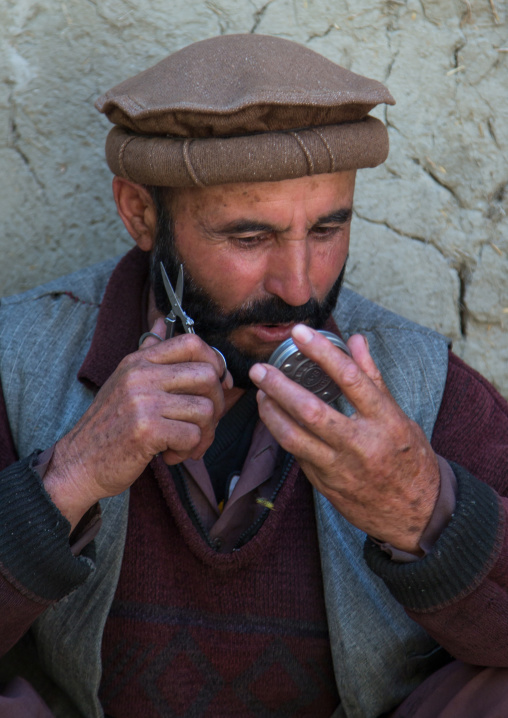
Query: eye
[(326, 231), (249, 241)]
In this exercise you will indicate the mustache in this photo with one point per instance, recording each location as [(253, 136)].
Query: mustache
[(271, 310)]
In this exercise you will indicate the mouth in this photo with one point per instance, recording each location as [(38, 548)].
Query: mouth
[(272, 333)]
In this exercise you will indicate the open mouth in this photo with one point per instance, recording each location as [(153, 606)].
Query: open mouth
[(287, 325), (273, 332)]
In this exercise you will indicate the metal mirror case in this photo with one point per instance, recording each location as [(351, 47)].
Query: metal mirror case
[(291, 362)]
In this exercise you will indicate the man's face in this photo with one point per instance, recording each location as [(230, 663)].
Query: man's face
[(258, 258)]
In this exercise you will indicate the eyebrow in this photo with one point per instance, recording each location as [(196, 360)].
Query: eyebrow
[(246, 226), (341, 216)]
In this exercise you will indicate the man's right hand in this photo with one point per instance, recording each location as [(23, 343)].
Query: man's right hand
[(166, 398)]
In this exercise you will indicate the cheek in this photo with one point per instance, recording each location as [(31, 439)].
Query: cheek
[(326, 264), (230, 280)]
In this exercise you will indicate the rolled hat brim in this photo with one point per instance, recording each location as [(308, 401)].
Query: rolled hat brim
[(260, 157)]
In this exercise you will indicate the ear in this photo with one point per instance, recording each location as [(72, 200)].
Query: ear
[(137, 211)]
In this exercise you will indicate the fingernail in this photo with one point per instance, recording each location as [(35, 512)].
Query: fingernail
[(257, 372), (365, 340), (302, 333)]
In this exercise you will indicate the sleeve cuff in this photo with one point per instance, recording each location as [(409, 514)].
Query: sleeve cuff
[(460, 558), (89, 525), (443, 511), (35, 554)]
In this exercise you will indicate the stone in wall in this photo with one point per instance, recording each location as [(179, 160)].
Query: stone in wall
[(422, 286)]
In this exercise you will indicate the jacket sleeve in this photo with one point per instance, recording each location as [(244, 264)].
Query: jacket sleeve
[(459, 592), (37, 567)]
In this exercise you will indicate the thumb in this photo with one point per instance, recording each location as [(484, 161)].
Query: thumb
[(156, 334)]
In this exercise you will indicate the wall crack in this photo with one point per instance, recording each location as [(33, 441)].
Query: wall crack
[(492, 132), (219, 14), (390, 66), (428, 17), (396, 231), (16, 142), (433, 173), (463, 273), (332, 26), (259, 14)]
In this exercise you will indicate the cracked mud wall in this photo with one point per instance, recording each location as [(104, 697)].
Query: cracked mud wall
[(430, 233)]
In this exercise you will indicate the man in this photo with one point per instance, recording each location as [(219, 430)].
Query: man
[(227, 585)]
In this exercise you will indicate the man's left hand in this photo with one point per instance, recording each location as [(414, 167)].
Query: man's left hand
[(376, 467)]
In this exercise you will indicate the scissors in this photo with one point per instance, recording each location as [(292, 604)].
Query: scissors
[(177, 312), (176, 303)]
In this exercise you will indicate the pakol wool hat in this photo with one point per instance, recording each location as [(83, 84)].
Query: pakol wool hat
[(242, 108)]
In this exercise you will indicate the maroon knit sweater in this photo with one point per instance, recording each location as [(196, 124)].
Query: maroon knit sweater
[(195, 632)]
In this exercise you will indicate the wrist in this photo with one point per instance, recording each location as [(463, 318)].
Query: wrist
[(67, 486), (439, 520)]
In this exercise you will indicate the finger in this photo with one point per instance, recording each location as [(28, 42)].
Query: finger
[(159, 329), (302, 406), (196, 410), (226, 379), (171, 457), (358, 388), (359, 346), (197, 378), (190, 425), (187, 348), (147, 382), (228, 382), (184, 440), (292, 436), (184, 424)]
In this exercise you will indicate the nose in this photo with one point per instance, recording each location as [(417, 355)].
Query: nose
[(287, 273)]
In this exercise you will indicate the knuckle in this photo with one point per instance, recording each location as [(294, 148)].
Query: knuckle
[(286, 438), (142, 428), (401, 427), (184, 437), (209, 375), (352, 376), (204, 380), (131, 379), (328, 460), (371, 455), (128, 361), (137, 407), (195, 435), (313, 411), (193, 343), (364, 443), (206, 410)]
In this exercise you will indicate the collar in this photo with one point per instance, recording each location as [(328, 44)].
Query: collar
[(121, 319)]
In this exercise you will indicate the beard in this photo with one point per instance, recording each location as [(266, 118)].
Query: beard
[(211, 322)]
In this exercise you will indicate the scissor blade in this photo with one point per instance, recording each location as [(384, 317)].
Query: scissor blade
[(179, 285), (187, 322), (175, 303)]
